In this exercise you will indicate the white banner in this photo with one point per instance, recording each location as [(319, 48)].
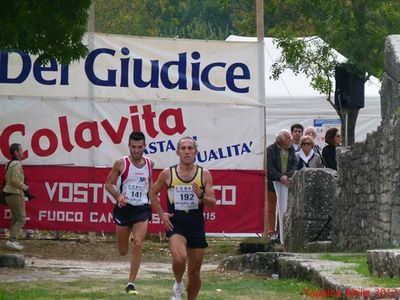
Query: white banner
[(82, 114), (133, 68), (89, 133)]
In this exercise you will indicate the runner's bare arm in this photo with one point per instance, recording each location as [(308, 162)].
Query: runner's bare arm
[(151, 175), (157, 186), (111, 180), (209, 196)]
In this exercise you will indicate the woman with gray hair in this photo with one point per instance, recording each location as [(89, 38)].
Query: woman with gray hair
[(311, 131)]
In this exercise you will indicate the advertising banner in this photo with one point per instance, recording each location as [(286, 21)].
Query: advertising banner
[(74, 199), (90, 133), (74, 121), (137, 68)]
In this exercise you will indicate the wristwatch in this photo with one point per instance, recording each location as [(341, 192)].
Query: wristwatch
[(202, 194)]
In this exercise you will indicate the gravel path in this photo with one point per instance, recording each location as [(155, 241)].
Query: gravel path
[(67, 270)]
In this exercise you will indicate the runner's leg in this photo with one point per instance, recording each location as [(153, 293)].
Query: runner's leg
[(139, 231), (195, 260), (177, 244), (123, 233)]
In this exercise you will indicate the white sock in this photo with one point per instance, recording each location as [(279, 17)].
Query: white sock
[(179, 283)]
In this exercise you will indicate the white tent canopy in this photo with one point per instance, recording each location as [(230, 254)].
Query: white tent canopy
[(291, 99)]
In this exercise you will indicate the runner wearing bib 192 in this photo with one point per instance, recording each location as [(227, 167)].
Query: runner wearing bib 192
[(188, 218), (189, 190)]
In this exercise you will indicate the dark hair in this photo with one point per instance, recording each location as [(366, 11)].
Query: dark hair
[(297, 125), (14, 147), (330, 135), (137, 136)]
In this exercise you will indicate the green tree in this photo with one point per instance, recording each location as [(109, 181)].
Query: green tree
[(208, 19), (357, 29), (48, 28)]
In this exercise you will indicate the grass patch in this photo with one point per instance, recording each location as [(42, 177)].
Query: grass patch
[(360, 260), (216, 285), (228, 286), (220, 246)]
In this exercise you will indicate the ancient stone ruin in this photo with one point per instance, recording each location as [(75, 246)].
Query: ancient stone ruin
[(368, 203), (310, 210)]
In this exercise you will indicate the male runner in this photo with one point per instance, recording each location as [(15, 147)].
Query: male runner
[(189, 189), (129, 182)]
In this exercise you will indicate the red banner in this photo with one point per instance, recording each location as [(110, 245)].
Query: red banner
[(74, 199)]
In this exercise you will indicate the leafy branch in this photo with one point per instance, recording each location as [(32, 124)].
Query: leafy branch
[(310, 56)]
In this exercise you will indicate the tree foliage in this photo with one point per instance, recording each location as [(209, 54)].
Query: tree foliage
[(309, 55), (207, 19), (49, 28), (357, 29)]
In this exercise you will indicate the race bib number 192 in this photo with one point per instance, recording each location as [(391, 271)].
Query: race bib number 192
[(185, 198)]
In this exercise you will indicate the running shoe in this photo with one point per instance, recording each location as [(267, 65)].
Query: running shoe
[(29, 234), (130, 289), (14, 245), (177, 291)]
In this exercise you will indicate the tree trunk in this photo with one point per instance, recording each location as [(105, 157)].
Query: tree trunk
[(352, 120)]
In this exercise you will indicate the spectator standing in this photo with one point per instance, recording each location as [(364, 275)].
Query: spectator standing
[(14, 190), (311, 131), (307, 157), (281, 164), (296, 132), (333, 138)]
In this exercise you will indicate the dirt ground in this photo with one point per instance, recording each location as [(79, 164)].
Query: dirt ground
[(103, 247), (50, 256), (81, 247)]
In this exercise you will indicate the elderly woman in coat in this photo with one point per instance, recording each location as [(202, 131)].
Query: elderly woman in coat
[(307, 157)]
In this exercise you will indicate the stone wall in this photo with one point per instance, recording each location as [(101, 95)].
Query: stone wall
[(368, 205), (384, 263), (390, 93), (261, 263), (309, 215)]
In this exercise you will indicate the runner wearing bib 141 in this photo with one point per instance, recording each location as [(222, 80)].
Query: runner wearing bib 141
[(129, 182)]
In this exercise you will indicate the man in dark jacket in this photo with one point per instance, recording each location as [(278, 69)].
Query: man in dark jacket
[(281, 163)]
